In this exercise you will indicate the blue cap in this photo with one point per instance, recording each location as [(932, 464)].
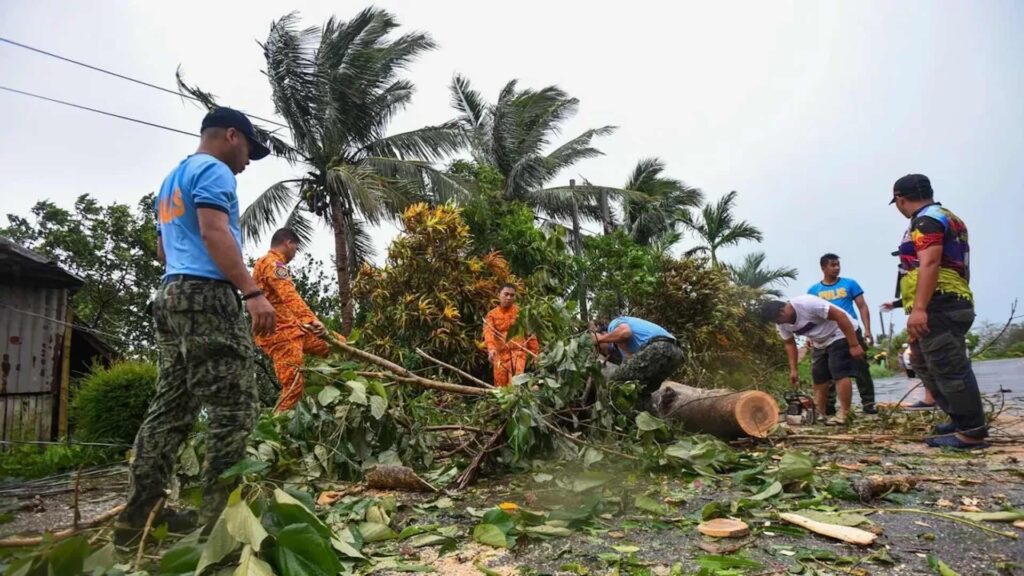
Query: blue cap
[(231, 118)]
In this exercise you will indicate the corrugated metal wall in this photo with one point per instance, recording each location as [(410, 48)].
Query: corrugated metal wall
[(32, 325)]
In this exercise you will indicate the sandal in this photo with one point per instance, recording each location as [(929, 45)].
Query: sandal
[(952, 441)]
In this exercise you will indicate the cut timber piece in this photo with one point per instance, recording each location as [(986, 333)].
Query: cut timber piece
[(1019, 524), (397, 478), (847, 534), (727, 414), (873, 486), (723, 528)]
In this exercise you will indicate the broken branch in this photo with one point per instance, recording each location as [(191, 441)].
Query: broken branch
[(465, 375)]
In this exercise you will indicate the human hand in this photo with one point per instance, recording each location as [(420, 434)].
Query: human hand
[(917, 323), (263, 316), (794, 379), (869, 339), (856, 351), (317, 327), (886, 307), (490, 356)]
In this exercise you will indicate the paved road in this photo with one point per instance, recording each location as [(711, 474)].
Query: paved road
[(993, 375)]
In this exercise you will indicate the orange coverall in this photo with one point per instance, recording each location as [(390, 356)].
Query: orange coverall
[(509, 356), (289, 342)]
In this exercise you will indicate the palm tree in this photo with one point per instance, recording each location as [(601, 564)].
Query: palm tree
[(513, 135), (656, 209), (717, 227), (752, 274), (337, 87)]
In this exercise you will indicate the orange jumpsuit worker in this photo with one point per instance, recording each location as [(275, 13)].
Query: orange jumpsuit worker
[(507, 356), (290, 340)]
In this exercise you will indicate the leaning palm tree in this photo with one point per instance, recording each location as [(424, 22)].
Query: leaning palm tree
[(753, 274), (659, 203), (337, 87), (515, 135), (717, 227)]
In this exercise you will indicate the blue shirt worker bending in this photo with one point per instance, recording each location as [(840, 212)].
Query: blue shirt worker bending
[(204, 341), (847, 294), (650, 353)]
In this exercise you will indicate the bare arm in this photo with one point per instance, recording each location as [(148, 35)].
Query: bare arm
[(865, 314), (791, 355), (160, 249), (621, 333), (846, 325), (220, 243)]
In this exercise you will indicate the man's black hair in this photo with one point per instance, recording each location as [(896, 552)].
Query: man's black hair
[(771, 310), (827, 258), (508, 285), (283, 235)]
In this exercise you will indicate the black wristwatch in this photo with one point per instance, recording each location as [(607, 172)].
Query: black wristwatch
[(252, 295)]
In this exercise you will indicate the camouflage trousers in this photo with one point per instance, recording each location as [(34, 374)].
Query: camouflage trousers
[(650, 366), (206, 357)]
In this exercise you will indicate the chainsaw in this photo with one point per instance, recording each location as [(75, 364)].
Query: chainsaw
[(800, 409)]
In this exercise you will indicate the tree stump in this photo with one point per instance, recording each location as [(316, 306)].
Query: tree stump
[(727, 414)]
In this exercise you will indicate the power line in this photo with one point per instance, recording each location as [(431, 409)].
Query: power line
[(79, 106), (123, 77)]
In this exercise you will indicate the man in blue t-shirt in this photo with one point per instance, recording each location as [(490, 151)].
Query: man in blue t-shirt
[(650, 353), (846, 294), (205, 345)]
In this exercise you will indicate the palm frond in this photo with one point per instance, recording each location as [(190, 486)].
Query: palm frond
[(753, 273), (429, 143), (298, 221), (266, 211)]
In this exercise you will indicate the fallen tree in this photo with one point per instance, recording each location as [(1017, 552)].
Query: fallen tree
[(727, 414)]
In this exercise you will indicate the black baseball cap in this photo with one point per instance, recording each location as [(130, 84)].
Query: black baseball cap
[(912, 187), (231, 118)]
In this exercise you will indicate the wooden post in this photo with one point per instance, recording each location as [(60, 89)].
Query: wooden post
[(65, 374), (577, 245)]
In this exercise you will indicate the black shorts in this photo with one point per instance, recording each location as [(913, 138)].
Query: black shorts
[(832, 363)]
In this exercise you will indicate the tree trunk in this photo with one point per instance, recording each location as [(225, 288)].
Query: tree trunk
[(727, 414), (341, 264)]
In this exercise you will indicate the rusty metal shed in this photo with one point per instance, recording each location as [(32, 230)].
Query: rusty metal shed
[(35, 344)]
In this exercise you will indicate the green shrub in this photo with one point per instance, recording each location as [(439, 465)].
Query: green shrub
[(111, 402), (31, 461)]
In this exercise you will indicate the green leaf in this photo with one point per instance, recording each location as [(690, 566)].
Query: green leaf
[(842, 488), (218, 546), (288, 510), (103, 559), (358, 392), (345, 548), (243, 468), (842, 519), (591, 456), (548, 531), (499, 518), (491, 535), (376, 532), (402, 567), (428, 540), (717, 562), (626, 549), (251, 565), (242, 523), (328, 394), (1004, 516), (302, 551), (648, 504), (590, 479), (645, 422), (940, 567), (68, 556), (773, 489), (378, 406), (712, 510), (181, 559), (795, 466)]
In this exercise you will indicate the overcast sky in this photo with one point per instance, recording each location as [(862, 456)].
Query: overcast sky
[(810, 110)]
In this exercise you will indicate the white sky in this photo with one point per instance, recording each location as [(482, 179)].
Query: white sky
[(809, 109)]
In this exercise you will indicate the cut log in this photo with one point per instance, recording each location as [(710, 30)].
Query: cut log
[(871, 487), (727, 414), (847, 534), (723, 528)]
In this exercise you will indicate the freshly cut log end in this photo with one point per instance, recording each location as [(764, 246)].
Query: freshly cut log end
[(727, 414), (397, 478), (723, 528)]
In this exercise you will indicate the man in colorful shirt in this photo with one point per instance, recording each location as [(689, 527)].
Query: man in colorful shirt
[(934, 287), (508, 356), (846, 293), (298, 329)]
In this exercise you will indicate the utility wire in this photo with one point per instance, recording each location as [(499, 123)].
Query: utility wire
[(123, 77), (79, 106)]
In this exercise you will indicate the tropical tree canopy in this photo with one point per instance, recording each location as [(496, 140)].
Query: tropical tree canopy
[(753, 273), (658, 205), (338, 87), (716, 227), (515, 135)]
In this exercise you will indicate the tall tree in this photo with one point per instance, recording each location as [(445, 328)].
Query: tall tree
[(113, 248), (515, 135), (338, 87), (752, 273), (716, 226), (658, 206)]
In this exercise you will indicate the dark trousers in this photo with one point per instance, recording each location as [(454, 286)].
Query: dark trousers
[(650, 366), (865, 384), (942, 364)]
